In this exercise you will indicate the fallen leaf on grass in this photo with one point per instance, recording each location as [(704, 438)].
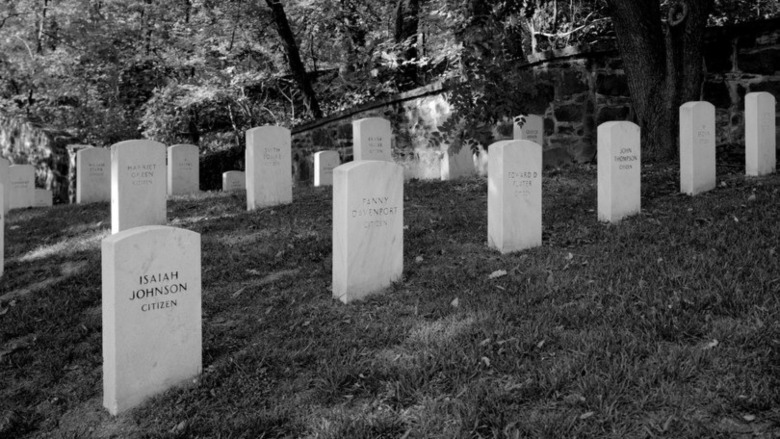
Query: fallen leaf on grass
[(486, 361), (711, 345), (238, 293), (455, 302), (586, 415), (496, 274), (418, 259), (749, 418), (752, 197)]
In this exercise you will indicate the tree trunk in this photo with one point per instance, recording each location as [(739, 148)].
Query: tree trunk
[(663, 62), (294, 58), (407, 23)]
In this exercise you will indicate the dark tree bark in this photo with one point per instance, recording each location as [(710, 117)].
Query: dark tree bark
[(294, 58), (407, 24), (663, 62)]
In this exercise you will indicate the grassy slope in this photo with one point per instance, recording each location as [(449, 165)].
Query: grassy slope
[(667, 325)]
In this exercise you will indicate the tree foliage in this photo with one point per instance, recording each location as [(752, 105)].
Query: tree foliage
[(202, 71)]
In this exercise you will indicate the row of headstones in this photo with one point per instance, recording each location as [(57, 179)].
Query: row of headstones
[(19, 188), (94, 169), (152, 277)]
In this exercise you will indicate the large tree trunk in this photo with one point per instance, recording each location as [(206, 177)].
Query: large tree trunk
[(294, 58), (407, 23), (663, 62)]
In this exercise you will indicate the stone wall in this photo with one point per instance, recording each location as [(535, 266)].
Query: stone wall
[(25, 143), (577, 89)]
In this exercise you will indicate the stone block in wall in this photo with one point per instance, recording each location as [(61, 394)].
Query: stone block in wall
[(572, 82), (609, 114), (718, 93), (759, 62), (569, 112), (767, 86), (611, 84)]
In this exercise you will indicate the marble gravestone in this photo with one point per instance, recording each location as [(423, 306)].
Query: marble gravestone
[(151, 313), (21, 178), (6, 182), (697, 147), (619, 171), (368, 218), (43, 198), (371, 139), (93, 175), (457, 164), (137, 184), (268, 167), (514, 195), (183, 170), (760, 134), (532, 129), (324, 162), (233, 181)]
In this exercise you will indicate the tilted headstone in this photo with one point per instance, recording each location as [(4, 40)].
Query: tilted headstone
[(372, 139), (268, 167), (514, 195), (43, 198), (93, 175), (22, 181), (697, 147), (619, 171), (457, 164), (183, 170), (368, 219), (233, 181), (532, 129), (151, 313), (760, 134), (5, 180), (137, 184), (324, 162)]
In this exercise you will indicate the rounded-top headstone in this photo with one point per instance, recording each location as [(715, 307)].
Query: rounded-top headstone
[(151, 302), (372, 139), (22, 181), (138, 193), (93, 175), (760, 134), (619, 171), (697, 147), (268, 167), (368, 200), (324, 163), (183, 170), (6, 182)]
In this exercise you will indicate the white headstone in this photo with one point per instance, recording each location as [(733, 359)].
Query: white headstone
[(760, 134), (514, 195), (268, 167), (6, 182), (368, 219), (233, 181), (137, 184), (324, 162), (151, 313), (22, 181), (697, 147), (619, 171), (93, 175), (457, 164), (183, 170), (371, 139), (532, 129), (43, 198)]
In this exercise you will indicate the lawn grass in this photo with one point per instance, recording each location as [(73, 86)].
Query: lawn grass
[(666, 325)]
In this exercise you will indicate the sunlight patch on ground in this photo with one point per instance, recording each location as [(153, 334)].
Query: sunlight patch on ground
[(67, 246)]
